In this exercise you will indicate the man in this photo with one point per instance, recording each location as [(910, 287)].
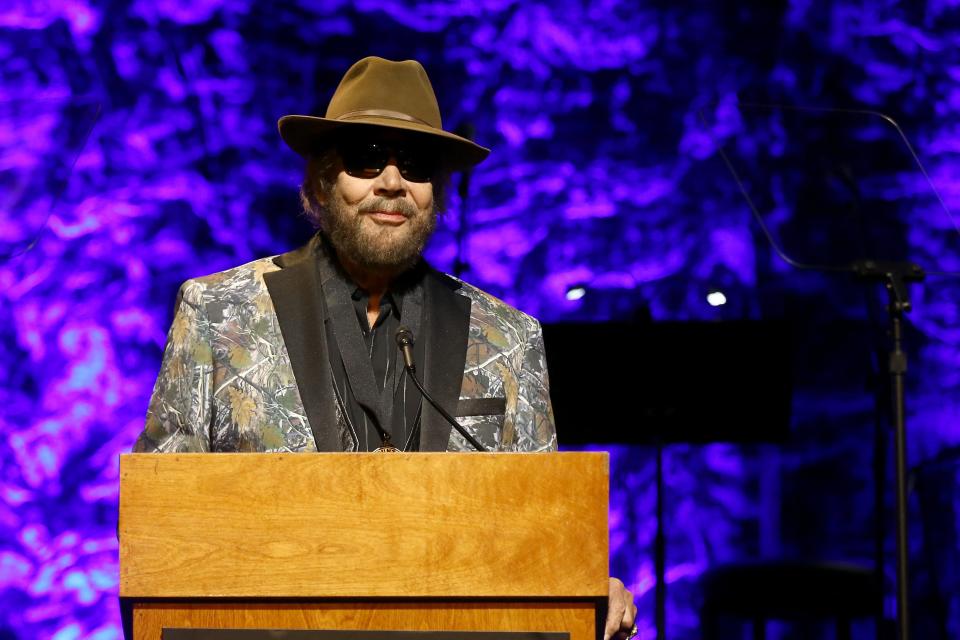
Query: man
[(297, 352)]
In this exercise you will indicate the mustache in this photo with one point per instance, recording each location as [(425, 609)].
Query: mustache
[(388, 206)]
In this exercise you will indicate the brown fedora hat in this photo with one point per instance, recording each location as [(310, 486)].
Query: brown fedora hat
[(381, 93)]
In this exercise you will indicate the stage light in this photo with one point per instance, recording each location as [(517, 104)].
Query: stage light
[(716, 299), (575, 293)]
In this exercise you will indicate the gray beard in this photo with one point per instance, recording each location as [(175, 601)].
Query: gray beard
[(379, 250)]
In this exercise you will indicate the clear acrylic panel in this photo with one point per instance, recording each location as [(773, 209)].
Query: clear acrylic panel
[(830, 187), (39, 146)]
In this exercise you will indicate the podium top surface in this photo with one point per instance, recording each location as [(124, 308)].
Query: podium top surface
[(362, 525)]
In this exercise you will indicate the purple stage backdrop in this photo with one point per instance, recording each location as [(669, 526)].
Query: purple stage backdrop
[(138, 148)]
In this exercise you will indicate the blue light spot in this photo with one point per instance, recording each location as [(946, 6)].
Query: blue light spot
[(716, 299)]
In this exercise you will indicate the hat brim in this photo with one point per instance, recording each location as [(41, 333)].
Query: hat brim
[(308, 134)]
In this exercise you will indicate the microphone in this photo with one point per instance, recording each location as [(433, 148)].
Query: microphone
[(404, 338)]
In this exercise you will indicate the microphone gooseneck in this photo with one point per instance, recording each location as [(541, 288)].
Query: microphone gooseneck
[(404, 338)]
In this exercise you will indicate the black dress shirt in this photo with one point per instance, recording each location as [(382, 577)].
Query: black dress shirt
[(365, 360)]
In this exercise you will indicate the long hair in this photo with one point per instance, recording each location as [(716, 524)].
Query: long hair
[(318, 178)]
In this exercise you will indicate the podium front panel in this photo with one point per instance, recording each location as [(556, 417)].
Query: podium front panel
[(574, 618), (342, 525)]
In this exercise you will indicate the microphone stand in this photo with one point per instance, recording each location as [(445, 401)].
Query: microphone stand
[(895, 277), (660, 553)]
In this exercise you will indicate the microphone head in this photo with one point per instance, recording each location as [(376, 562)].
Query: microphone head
[(404, 337)]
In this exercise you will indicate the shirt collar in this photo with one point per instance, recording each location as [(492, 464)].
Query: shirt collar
[(399, 289)]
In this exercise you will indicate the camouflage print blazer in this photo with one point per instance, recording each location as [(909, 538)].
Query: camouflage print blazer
[(246, 367)]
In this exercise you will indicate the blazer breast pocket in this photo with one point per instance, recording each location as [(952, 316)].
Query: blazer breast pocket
[(482, 418), (480, 407)]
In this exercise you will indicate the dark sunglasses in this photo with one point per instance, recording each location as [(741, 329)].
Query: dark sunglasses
[(369, 159)]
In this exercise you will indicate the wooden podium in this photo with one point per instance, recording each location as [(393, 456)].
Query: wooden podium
[(361, 541)]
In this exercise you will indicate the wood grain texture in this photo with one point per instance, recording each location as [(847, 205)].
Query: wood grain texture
[(364, 525), (576, 618)]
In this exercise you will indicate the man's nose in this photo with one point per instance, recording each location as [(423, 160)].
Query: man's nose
[(390, 182)]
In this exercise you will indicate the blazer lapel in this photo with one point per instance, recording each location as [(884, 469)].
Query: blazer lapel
[(295, 291), (445, 329)]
